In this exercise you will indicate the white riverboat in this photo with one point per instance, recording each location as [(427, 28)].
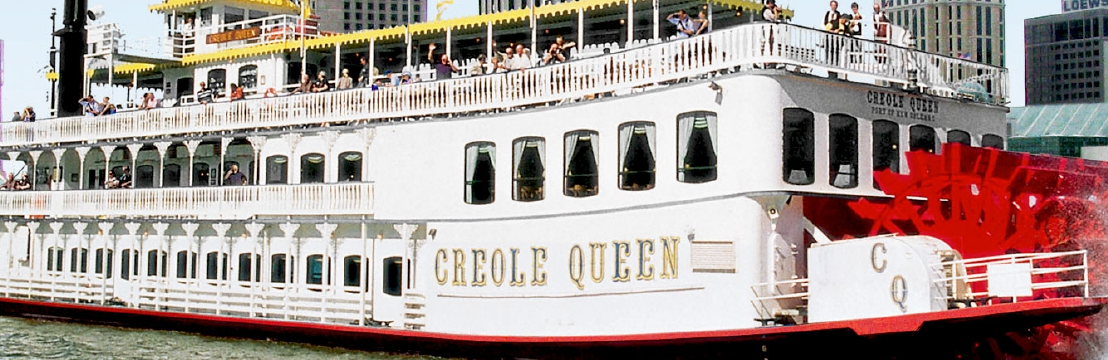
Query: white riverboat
[(650, 197)]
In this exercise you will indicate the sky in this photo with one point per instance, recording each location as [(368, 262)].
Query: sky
[(26, 35)]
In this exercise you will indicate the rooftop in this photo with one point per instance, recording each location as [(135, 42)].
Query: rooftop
[(1075, 120)]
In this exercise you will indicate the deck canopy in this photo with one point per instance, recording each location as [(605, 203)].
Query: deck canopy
[(286, 6)]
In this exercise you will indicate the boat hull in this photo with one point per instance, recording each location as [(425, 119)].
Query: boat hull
[(946, 334)]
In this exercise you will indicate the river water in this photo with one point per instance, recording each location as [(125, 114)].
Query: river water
[(34, 339)]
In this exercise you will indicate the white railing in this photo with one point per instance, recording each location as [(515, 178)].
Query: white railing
[(227, 202), (1049, 272), (277, 28), (619, 72)]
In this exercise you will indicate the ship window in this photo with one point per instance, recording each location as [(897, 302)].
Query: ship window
[(529, 162), (153, 265), (212, 261), (233, 15), (886, 147), (277, 169), (171, 176), (353, 274), (922, 138), (103, 264), (201, 176), (311, 168), (248, 76), (217, 80), (992, 141), (183, 262), (393, 270), (636, 156), (245, 264), (293, 72), (958, 136), (315, 270), (582, 160), (78, 259), (696, 147), (843, 151), (54, 259), (480, 173), (125, 264), (278, 268), (799, 150), (350, 166)]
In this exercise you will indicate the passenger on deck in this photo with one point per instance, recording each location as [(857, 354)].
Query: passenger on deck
[(17, 117), (320, 84), (479, 67), (125, 179), (521, 61), (29, 114), (702, 22), (855, 20), (305, 85), (234, 177), (564, 45), (236, 92), (345, 82), (364, 78), (107, 108), (204, 95), (685, 26), (444, 68), (831, 18), (497, 66), (111, 182), (9, 183), (880, 24), (23, 184), (553, 55), (90, 106), (149, 102)]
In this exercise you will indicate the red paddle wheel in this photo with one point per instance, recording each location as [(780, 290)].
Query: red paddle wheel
[(986, 202)]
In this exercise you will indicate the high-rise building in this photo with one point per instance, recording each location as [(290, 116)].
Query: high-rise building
[(342, 16), (968, 29), (1066, 55), (493, 6)]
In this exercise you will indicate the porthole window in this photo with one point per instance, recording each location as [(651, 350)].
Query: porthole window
[(843, 151), (886, 147), (311, 168), (582, 161), (480, 181), (922, 138), (798, 147), (529, 162), (350, 166), (636, 156), (277, 169), (696, 147), (958, 136), (992, 141)]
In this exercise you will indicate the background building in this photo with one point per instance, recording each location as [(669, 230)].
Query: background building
[(1060, 129), (969, 29), (492, 6), (1066, 57), (341, 16)]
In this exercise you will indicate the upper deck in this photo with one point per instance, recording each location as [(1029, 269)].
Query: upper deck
[(648, 68)]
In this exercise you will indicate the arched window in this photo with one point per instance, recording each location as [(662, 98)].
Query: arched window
[(247, 262), (248, 76), (78, 260), (842, 142), (217, 80), (392, 272), (186, 264), (281, 268), (201, 175), (350, 166), (480, 181), (958, 136), (315, 270), (277, 169), (54, 259), (582, 176), (103, 266), (696, 147), (171, 175), (886, 147), (922, 138), (157, 263), (214, 259), (311, 168), (992, 141), (798, 150), (529, 162), (636, 155), (353, 274), (144, 177)]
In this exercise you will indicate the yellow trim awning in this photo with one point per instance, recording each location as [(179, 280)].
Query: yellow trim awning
[(170, 5)]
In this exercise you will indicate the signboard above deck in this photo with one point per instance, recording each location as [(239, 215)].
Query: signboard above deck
[(1080, 5), (234, 35)]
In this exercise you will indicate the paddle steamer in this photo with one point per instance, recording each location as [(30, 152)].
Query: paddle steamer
[(652, 197)]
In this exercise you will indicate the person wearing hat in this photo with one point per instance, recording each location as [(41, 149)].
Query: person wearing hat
[(320, 84)]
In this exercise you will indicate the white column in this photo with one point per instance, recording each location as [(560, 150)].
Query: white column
[(406, 231), (368, 134), (327, 232), (449, 44), (191, 145), (330, 166), (257, 258), (162, 146), (291, 259), (104, 234), (160, 265), (223, 145), (408, 45), (137, 244), (190, 229), (36, 155), (257, 143), (630, 23), (580, 29), (654, 21), (489, 51), (222, 255), (338, 63), (56, 182), (372, 58), (293, 139), (81, 153), (134, 149)]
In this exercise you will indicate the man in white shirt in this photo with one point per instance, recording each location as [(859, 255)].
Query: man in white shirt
[(685, 26), (521, 60)]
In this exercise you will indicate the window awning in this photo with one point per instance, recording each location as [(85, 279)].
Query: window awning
[(282, 5)]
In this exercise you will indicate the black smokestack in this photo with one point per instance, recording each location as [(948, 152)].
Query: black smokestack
[(71, 67)]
